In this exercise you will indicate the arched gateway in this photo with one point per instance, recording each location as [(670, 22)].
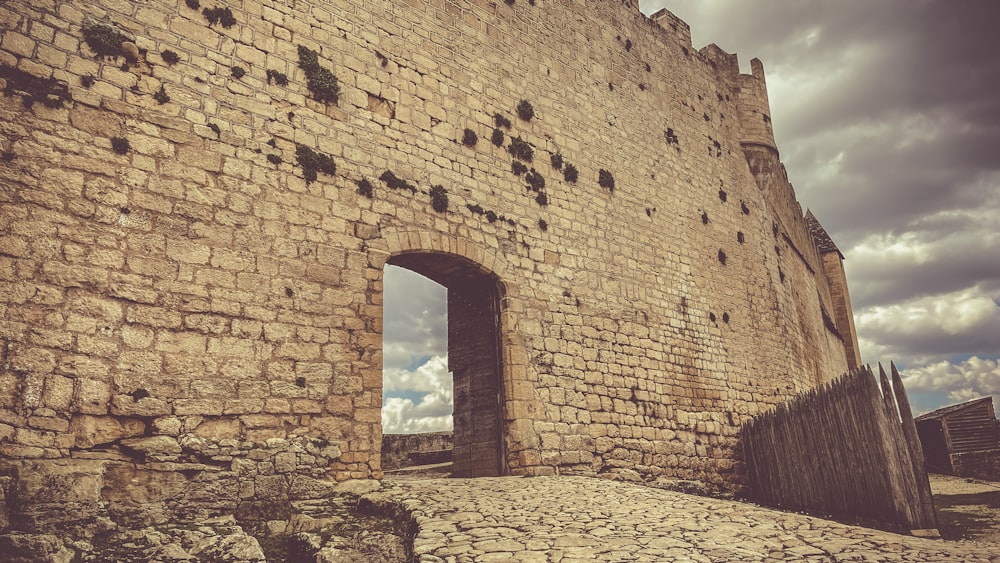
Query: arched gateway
[(475, 358), (492, 428)]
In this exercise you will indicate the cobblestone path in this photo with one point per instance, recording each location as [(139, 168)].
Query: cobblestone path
[(569, 519)]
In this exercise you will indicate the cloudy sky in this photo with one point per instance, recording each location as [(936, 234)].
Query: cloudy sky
[(887, 116)]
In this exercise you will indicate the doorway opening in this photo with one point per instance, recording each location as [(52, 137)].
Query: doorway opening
[(418, 382)]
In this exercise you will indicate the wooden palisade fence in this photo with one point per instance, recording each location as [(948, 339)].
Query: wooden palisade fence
[(848, 448)]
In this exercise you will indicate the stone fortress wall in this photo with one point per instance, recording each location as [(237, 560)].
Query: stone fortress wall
[(203, 306)]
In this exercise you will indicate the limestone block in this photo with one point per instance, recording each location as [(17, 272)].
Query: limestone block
[(154, 445), (89, 431)]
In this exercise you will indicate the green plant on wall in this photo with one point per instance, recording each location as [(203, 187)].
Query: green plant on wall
[(365, 188), (104, 40), (279, 78), (161, 96), (120, 145), (536, 182), (439, 199), (521, 149), (570, 173), (469, 138), (525, 110), (312, 162), (497, 138), (606, 180), (500, 121), (219, 15), (395, 183), (170, 57), (319, 80), (557, 161)]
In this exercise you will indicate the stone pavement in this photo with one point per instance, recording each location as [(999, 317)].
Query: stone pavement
[(569, 519)]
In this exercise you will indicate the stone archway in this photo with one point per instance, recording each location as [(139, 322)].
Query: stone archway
[(475, 358), (462, 263)]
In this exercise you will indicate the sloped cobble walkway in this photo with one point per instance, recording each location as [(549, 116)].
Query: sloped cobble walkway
[(569, 519)]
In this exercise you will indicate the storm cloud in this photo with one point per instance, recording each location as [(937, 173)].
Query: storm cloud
[(888, 122)]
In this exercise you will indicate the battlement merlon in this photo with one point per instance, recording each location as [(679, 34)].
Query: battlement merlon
[(678, 28), (751, 89), (755, 109)]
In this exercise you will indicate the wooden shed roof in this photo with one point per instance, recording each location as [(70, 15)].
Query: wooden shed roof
[(952, 409)]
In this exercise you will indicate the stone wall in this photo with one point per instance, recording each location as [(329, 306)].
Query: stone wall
[(400, 450), (983, 464), (194, 224)]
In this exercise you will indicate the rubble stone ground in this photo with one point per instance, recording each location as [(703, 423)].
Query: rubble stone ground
[(568, 518)]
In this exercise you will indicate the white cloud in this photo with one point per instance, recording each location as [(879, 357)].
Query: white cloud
[(433, 412), (973, 378), (931, 328)]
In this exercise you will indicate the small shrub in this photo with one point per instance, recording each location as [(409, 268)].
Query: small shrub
[(670, 136), (711, 317), (542, 199), (517, 168), (237, 72), (628, 44), (704, 217), (219, 15), (509, 2), (319, 80), (570, 173), (497, 138), (120, 145), (193, 4), (525, 111), (543, 225), (139, 394), (313, 161), (300, 382), (87, 80), (215, 129), (722, 257), (161, 96), (170, 57), (723, 196), (365, 188), (740, 238), (477, 209), (104, 40), (536, 182), (491, 216), (274, 159), (649, 68), (469, 138), (279, 78), (501, 121), (521, 149), (439, 199), (395, 183), (744, 208), (725, 318), (557, 161), (606, 180)]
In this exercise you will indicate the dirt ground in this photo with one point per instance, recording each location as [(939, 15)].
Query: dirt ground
[(967, 508)]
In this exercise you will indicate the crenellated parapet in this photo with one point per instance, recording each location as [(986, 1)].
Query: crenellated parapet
[(755, 111)]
